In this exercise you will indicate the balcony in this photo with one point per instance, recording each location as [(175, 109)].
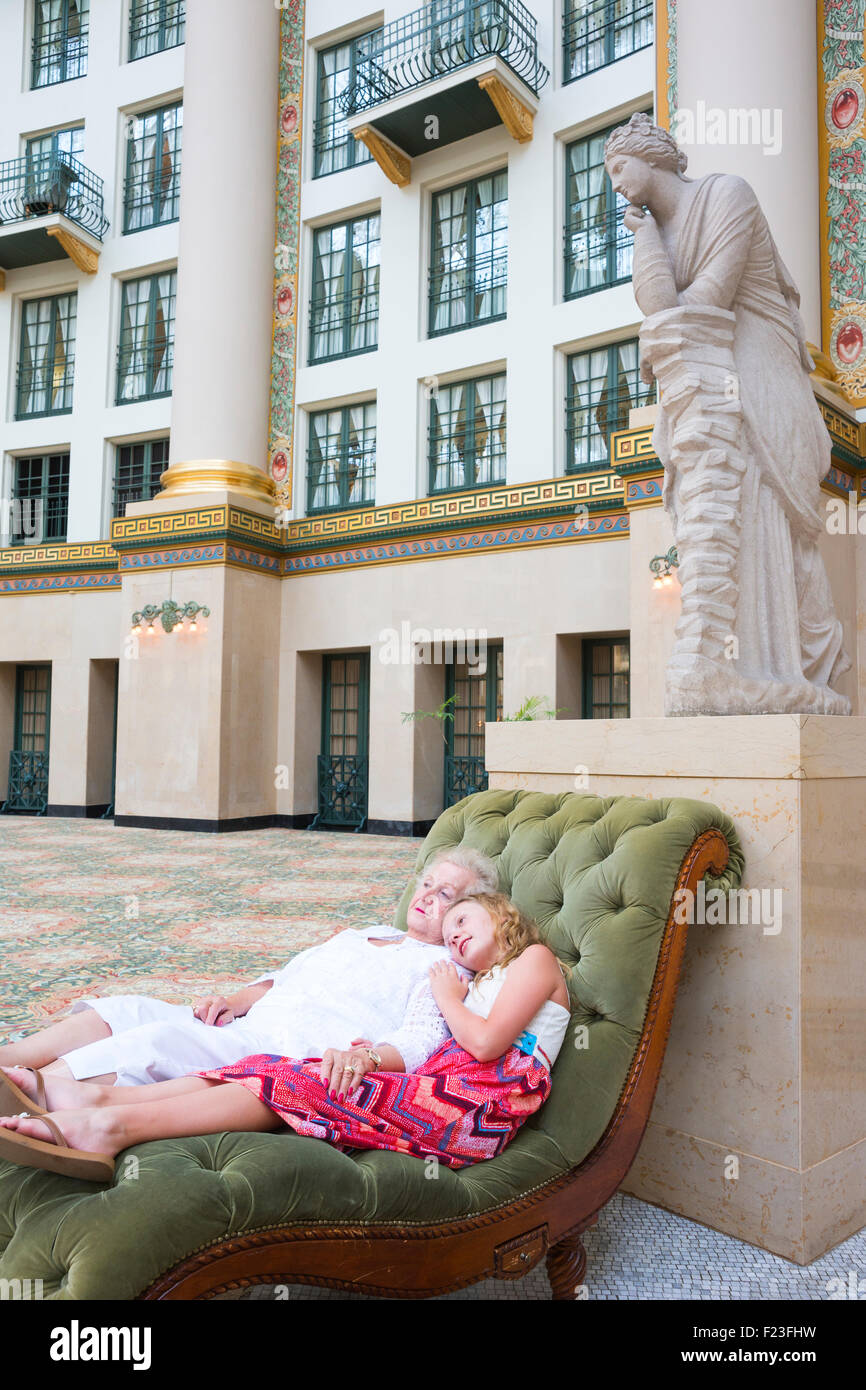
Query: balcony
[(442, 73), (51, 206)]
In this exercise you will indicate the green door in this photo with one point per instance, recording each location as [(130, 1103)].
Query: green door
[(343, 764), (477, 698), (606, 692), (28, 760)]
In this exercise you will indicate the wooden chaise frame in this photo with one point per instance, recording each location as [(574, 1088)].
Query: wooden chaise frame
[(420, 1261)]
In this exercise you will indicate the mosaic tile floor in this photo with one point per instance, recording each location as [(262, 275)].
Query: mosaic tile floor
[(639, 1252), (86, 908)]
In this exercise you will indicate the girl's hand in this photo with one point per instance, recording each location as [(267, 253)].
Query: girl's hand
[(447, 985), (214, 1009)]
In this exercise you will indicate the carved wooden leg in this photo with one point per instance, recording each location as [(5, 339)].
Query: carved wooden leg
[(566, 1266)]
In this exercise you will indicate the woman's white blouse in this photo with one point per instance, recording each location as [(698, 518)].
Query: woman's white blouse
[(348, 988)]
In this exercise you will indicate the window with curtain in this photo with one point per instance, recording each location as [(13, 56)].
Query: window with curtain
[(469, 254), (603, 386), (344, 310), (341, 459), (146, 351), (596, 33), (137, 470), (467, 434), (153, 146), (59, 41), (32, 708), (46, 359), (155, 25), (338, 69), (41, 149), (41, 487), (606, 678), (598, 248)]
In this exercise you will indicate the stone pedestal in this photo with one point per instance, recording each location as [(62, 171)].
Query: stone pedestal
[(197, 711), (759, 1124)]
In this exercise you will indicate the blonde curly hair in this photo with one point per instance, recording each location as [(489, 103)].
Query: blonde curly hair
[(513, 929)]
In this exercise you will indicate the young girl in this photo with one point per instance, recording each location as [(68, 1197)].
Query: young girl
[(465, 1103)]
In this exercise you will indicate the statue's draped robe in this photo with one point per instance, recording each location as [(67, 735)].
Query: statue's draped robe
[(726, 257)]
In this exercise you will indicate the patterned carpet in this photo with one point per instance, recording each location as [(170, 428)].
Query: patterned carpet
[(87, 908)]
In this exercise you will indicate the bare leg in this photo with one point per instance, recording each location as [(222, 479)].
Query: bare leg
[(50, 1043), (213, 1107), (67, 1094)]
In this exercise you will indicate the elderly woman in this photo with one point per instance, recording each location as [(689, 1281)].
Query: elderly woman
[(358, 985), (741, 437)]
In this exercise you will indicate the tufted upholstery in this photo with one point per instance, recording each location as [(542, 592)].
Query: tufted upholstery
[(597, 873)]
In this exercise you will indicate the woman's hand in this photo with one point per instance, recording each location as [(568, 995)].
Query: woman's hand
[(447, 985), (214, 1009), (343, 1072)]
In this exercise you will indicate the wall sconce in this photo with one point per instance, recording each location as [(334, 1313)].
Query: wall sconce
[(663, 567), (172, 616)]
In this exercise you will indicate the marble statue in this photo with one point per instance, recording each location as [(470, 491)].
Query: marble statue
[(740, 435)]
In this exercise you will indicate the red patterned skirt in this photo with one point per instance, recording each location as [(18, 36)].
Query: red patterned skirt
[(454, 1108)]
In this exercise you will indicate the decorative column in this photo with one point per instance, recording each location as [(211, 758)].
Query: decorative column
[(224, 317), (842, 108), (197, 711), (742, 82)]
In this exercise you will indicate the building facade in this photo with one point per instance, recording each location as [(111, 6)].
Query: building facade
[(318, 334)]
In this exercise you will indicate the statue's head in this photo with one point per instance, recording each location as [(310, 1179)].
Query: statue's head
[(634, 151)]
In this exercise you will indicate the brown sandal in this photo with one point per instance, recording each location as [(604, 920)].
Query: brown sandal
[(14, 1101), (55, 1158)]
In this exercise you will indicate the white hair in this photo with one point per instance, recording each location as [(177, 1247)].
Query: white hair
[(484, 873)]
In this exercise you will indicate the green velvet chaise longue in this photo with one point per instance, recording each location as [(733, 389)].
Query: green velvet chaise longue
[(224, 1211)]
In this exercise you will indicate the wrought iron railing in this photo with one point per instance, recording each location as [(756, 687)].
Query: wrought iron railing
[(352, 483), (28, 783), (32, 186), (344, 326), (155, 25), (45, 389), (463, 776), (597, 254), (335, 149), (59, 48), (438, 39), (342, 781), (144, 372), (595, 35), (138, 471), (587, 451)]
